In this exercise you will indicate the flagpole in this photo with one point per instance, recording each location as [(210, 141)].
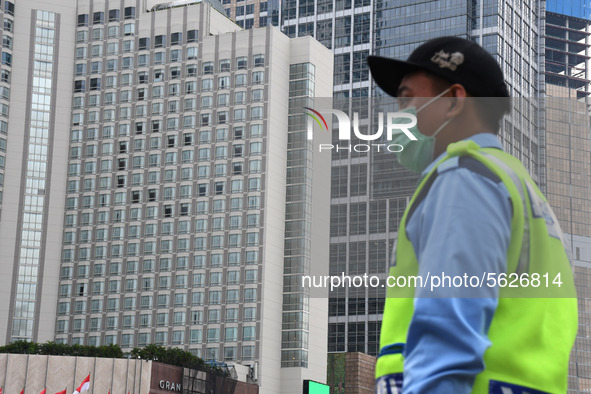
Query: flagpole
[(75, 367), (127, 376), (26, 372), (113, 375), (134, 373), (46, 370), (141, 370), (6, 369), (93, 374)]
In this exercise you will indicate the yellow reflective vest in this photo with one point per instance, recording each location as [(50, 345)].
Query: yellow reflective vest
[(534, 327)]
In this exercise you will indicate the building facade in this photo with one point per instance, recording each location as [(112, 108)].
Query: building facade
[(567, 155), (370, 190), (37, 79), (162, 192)]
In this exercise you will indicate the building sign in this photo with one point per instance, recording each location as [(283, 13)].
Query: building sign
[(166, 379), (169, 386)]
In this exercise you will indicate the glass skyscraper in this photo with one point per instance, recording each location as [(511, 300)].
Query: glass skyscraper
[(370, 190)]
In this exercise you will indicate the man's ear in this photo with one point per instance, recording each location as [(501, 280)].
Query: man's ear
[(457, 99)]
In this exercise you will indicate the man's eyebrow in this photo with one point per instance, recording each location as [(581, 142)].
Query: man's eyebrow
[(401, 89)]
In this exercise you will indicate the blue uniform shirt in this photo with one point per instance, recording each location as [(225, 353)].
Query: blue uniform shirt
[(463, 226)]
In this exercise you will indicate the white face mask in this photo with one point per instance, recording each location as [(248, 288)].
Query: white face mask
[(416, 155)]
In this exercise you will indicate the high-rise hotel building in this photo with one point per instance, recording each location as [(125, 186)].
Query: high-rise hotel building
[(157, 184)]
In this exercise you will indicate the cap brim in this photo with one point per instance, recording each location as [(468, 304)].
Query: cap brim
[(387, 73)]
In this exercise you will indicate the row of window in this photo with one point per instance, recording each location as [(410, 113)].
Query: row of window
[(162, 319), (171, 158), (180, 299), (174, 89), (157, 108), (234, 222), (152, 211), (114, 15), (170, 175), (165, 264), (96, 67), (119, 215), (169, 192), (197, 298), (166, 246), (112, 82), (213, 334), (205, 136), (215, 278), (96, 50), (172, 122), (170, 140), (111, 323)]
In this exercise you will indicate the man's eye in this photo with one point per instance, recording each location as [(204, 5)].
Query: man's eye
[(403, 102)]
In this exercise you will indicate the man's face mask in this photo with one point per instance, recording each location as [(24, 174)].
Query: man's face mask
[(416, 155)]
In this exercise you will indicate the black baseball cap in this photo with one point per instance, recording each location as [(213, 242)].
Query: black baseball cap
[(455, 59)]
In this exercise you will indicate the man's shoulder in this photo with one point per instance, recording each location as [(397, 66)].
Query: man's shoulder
[(460, 178), (457, 165)]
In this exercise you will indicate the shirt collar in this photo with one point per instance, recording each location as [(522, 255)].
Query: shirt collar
[(484, 140)]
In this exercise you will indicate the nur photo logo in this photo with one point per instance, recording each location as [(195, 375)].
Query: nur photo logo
[(395, 123)]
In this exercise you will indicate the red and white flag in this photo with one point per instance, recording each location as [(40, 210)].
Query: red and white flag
[(43, 392), (85, 385), (62, 392), (23, 391)]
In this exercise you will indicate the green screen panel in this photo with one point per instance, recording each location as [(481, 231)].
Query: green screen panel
[(312, 387)]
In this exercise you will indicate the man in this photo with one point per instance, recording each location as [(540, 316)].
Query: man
[(476, 215)]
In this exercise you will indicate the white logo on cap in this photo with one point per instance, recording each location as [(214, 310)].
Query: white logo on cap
[(447, 60)]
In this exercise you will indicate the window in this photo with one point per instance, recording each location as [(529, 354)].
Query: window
[(256, 113), (191, 70), (224, 65), (241, 63), (129, 30), (144, 43), (257, 95), (81, 53), (190, 87), (207, 68), (79, 86), (7, 42), (112, 48), (240, 81), (249, 333), (160, 41), (174, 89), (258, 77), (82, 19), (113, 15), (176, 39), (129, 12), (256, 130), (96, 50), (98, 18), (250, 295), (192, 36), (192, 53), (259, 60)]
